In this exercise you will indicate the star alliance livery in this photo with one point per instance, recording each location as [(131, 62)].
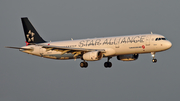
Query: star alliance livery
[(125, 48)]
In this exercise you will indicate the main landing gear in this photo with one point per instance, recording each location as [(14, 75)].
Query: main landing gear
[(84, 64), (153, 55), (108, 64)]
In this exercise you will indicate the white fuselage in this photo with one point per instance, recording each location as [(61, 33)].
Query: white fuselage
[(113, 46)]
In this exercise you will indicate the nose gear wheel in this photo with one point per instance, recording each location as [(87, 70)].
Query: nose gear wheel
[(153, 55), (154, 60)]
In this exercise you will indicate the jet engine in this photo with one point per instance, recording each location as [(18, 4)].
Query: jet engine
[(130, 57), (92, 56)]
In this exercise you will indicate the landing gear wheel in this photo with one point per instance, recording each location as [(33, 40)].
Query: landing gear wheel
[(153, 55), (86, 64), (154, 60), (83, 64), (108, 64)]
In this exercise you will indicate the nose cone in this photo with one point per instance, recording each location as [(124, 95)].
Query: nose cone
[(168, 44)]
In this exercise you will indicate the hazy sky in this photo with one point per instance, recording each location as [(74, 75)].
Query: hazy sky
[(25, 77)]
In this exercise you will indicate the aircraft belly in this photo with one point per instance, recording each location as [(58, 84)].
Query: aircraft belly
[(59, 57)]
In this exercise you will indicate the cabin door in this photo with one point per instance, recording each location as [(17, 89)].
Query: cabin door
[(148, 37)]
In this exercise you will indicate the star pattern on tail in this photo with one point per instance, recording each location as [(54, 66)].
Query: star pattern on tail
[(30, 36)]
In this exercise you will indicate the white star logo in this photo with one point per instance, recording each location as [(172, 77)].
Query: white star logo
[(30, 36)]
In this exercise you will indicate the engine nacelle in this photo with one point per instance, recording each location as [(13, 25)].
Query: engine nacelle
[(130, 57), (92, 56)]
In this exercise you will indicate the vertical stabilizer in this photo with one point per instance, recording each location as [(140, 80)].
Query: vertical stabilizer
[(30, 32)]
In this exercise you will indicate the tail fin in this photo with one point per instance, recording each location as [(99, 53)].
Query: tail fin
[(30, 32)]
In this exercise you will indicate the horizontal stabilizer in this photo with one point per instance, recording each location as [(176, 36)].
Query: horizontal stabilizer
[(19, 48)]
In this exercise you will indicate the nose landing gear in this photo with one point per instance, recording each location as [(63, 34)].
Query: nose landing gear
[(153, 55)]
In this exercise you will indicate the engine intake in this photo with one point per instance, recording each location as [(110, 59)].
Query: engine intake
[(92, 56), (130, 57)]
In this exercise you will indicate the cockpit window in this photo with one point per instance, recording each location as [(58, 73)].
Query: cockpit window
[(157, 39)]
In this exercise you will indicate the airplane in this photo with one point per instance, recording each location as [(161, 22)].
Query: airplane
[(125, 48)]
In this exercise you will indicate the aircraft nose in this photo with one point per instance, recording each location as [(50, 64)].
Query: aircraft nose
[(168, 44)]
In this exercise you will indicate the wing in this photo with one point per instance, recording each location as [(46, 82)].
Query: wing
[(75, 51)]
